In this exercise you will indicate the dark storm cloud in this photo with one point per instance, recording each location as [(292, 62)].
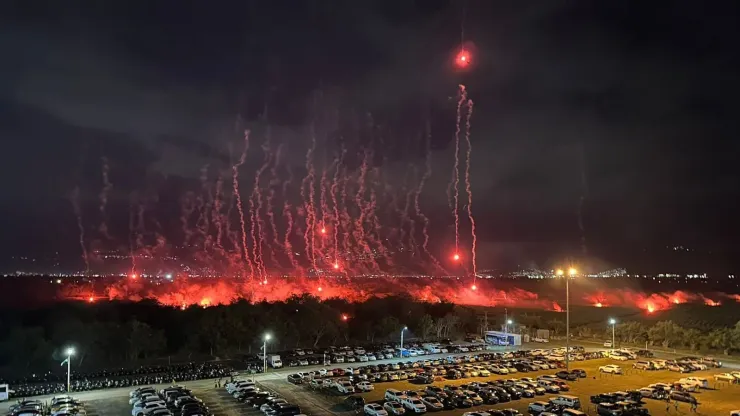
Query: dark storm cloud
[(640, 89)]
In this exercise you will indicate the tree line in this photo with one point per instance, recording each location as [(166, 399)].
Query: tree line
[(126, 334)]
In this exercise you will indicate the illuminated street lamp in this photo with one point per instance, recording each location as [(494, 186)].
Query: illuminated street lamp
[(402, 330), (264, 353), (613, 323), (571, 273), (506, 332), (70, 351)]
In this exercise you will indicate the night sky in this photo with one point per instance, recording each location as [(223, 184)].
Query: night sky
[(630, 104)]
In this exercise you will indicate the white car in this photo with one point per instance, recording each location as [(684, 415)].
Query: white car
[(394, 408), (146, 407), (611, 368), (345, 387), (374, 409), (414, 405), (618, 357), (700, 382), (728, 377), (432, 403), (364, 386)]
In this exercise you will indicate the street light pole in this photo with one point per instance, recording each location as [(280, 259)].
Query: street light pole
[(264, 353), (506, 332), (70, 352), (403, 329), (613, 322)]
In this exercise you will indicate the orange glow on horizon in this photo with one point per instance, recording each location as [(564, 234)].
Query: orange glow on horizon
[(91, 299), (599, 305)]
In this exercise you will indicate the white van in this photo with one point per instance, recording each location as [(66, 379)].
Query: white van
[(571, 402), (4, 392)]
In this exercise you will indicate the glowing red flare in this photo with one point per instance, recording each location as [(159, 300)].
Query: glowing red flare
[(598, 305), (650, 308), (134, 275), (320, 289), (456, 257), (323, 231), (462, 59), (345, 317), (336, 265), (91, 299), (474, 287)]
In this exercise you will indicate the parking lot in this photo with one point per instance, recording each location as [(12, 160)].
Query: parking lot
[(719, 399)]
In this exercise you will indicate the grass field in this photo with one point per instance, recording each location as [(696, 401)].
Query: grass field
[(718, 401)]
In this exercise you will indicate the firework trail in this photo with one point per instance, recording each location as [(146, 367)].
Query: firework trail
[(456, 170), (274, 181), (235, 182), (308, 203), (359, 233), (131, 217), (187, 207), (324, 210), (75, 199), (346, 220), (255, 205), (467, 185), (107, 186), (377, 236), (417, 206), (335, 206), (216, 213), (204, 202), (288, 214)]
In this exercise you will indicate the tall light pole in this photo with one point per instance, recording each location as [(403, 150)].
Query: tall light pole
[(264, 353), (402, 330), (506, 331), (613, 323), (571, 273), (70, 352)]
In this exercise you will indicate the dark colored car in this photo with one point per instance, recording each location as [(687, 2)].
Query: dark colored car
[(463, 402), (514, 392), (580, 373), (354, 402), (424, 378), (488, 396), (565, 375), (604, 398)]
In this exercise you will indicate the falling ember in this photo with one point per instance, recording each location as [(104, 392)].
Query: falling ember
[(456, 257), (336, 266), (345, 317), (323, 231), (320, 289), (474, 287), (264, 282)]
